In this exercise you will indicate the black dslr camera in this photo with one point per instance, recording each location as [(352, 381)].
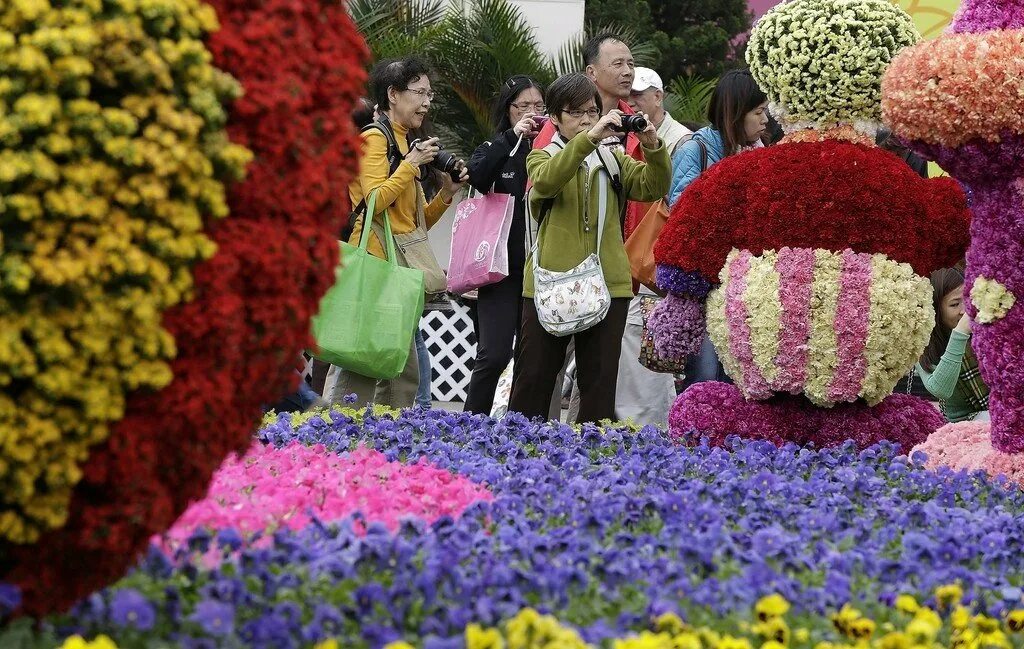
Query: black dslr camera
[(632, 124), (445, 163)]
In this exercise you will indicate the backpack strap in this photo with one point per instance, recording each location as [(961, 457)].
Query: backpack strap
[(533, 225), (394, 160), (611, 167), (545, 205), (703, 154)]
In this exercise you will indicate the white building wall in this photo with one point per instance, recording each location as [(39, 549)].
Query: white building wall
[(554, 21)]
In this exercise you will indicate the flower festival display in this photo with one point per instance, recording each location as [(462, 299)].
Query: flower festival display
[(171, 181), (479, 533), (820, 60), (959, 100), (809, 258)]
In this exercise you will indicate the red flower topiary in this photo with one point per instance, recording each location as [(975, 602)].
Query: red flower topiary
[(301, 67), (831, 194)]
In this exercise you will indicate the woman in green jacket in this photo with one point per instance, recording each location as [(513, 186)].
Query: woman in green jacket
[(948, 367), (568, 181)]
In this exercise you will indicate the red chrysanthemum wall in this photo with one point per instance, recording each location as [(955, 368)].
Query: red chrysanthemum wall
[(300, 66)]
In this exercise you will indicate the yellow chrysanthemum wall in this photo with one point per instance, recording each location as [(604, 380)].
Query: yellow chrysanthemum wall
[(113, 152)]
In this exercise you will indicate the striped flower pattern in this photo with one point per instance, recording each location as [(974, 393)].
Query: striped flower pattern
[(835, 326)]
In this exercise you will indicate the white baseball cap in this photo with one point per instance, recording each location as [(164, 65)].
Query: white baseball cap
[(645, 78)]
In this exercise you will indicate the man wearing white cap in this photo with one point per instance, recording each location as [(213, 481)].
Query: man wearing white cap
[(643, 396), (648, 96)]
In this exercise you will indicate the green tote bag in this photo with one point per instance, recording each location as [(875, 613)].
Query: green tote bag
[(368, 318)]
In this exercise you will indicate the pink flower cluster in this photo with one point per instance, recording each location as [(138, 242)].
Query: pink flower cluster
[(967, 445), (851, 326), (271, 488), (716, 411)]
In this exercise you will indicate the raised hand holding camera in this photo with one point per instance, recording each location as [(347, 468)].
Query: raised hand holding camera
[(649, 135), (527, 127), (608, 126), (423, 152)]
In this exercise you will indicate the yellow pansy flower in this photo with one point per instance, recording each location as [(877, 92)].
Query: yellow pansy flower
[(771, 606)]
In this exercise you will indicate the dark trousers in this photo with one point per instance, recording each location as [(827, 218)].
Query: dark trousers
[(498, 313), (540, 356)]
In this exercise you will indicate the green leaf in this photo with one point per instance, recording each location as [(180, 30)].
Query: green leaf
[(687, 98)]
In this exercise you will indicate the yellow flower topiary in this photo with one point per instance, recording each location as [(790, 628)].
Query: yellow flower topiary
[(113, 154)]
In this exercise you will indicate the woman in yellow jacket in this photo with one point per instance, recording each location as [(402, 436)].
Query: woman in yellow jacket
[(402, 91)]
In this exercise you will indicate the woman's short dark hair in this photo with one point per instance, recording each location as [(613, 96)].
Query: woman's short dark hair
[(735, 95), (571, 91), (397, 74), (944, 281), (510, 91)]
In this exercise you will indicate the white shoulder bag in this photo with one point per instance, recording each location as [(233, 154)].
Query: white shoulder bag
[(575, 300)]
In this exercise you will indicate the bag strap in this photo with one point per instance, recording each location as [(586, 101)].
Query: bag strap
[(703, 155), (389, 239), (602, 213)]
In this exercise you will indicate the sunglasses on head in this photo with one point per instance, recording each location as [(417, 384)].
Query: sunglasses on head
[(517, 80)]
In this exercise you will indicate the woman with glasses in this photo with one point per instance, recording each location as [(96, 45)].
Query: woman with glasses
[(392, 168), (499, 165), (571, 190)]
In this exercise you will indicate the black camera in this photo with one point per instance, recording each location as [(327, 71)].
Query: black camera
[(445, 163), (632, 124)]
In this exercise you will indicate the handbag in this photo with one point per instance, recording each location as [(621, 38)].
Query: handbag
[(479, 252), (367, 320), (640, 245), (575, 300), (649, 357), (414, 251)]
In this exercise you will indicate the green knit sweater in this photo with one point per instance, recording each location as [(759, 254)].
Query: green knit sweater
[(944, 381), (563, 242)]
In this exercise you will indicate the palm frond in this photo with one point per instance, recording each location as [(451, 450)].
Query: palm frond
[(687, 98), (397, 27)]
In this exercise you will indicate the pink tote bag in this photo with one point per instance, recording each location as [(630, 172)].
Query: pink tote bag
[(480, 242)]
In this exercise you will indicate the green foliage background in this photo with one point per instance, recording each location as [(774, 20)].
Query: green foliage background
[(474, 45)]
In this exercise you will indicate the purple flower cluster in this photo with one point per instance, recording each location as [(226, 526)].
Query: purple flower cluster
[(717, 411), (677, 324), (602, 527), (983, 15), (677, 281)]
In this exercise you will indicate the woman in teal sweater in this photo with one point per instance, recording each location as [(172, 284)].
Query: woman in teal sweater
[(948, 367), (568, 181)]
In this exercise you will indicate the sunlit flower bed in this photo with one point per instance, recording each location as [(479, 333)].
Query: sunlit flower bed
[(607, 530)]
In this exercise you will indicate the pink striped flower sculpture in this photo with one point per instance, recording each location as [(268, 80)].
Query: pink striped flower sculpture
[(959, 100)]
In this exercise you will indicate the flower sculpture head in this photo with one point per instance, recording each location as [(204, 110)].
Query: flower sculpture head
[(821, 61), (140, 329), (819, 246), (959, 100)]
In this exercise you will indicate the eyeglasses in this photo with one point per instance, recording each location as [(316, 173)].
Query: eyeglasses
[(429, 94), (576, 114), (538, 106)]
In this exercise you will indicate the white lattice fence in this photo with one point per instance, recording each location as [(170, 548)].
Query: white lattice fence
[(451, 343)]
